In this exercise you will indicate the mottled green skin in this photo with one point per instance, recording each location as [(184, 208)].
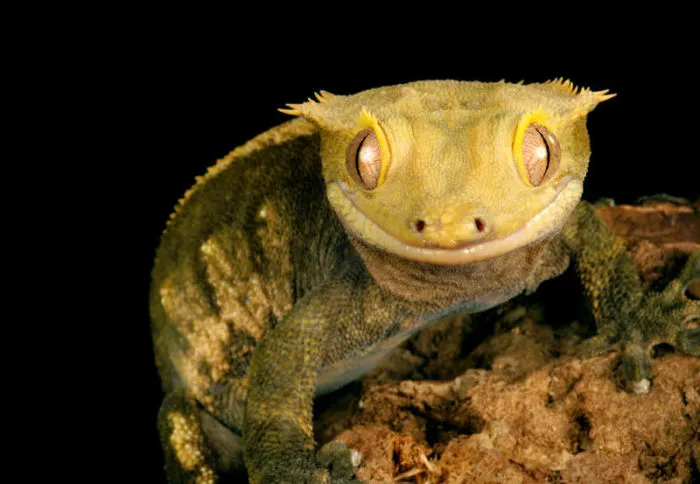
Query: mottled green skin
[(257, 290)]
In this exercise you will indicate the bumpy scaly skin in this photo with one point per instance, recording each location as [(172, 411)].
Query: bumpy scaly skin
[(260, 299), (623, 312)]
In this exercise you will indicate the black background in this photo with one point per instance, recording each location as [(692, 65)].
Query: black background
[(180, 102)]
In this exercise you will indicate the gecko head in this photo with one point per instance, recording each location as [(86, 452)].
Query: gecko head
[(451, 172)]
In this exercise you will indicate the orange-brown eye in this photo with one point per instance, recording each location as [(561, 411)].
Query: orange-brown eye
[(541, 153), (364, 159)]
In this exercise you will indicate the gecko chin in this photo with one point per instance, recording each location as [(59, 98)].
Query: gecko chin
[(547, 221)]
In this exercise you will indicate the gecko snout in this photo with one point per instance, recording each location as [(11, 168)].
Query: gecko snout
[(449, 232)]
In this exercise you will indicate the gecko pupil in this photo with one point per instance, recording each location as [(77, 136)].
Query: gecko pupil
[(545, 145)]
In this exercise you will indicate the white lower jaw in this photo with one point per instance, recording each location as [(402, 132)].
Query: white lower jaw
[(549, 220)]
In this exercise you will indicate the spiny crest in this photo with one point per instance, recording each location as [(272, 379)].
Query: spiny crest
[(367, 119), (584, 98), (324, 96), (568, 87), (301, 109), (601, 96), (564, 85)]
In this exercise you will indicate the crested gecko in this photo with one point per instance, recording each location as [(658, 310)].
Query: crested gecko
[(304, 256)]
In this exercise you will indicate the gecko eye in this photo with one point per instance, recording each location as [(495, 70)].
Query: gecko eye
[(364, 159), (541, 153)]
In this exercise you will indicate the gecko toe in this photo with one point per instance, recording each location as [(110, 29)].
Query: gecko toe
[(688, 341), (636, 368)]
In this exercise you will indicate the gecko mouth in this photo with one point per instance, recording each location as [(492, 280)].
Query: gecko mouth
[(547, 221)]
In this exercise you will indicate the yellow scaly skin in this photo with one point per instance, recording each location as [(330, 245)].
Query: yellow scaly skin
[(283, 275)]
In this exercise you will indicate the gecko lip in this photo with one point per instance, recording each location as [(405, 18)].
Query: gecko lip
[(547, 221)]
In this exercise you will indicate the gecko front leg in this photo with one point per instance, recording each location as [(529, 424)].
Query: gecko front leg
[(333, 323), (625, 314)]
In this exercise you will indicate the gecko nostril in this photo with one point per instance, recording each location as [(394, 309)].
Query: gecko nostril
[(420, 225), (480, 224)]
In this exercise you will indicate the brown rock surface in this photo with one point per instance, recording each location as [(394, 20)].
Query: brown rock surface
[(517, 408)]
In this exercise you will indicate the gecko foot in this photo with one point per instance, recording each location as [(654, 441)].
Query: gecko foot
[(671, 316)]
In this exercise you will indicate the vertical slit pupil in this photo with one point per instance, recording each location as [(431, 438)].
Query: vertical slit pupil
[(546, 147), (480, 225)]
